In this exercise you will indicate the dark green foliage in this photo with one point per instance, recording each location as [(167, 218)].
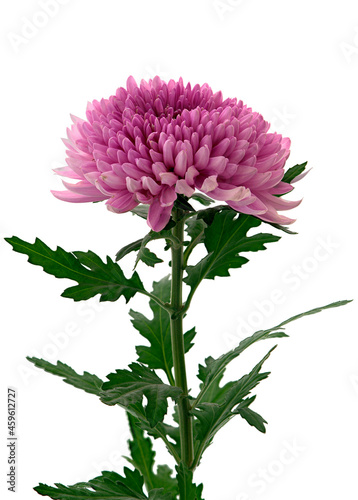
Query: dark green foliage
[(108, 486), (91, 273), (142, 458), (127, 388), (87, 382), (211, 417), (187, 489), (225, 239), (158, 355), (294, 172)]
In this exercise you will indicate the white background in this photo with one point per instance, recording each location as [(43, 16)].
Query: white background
[(297, 64)]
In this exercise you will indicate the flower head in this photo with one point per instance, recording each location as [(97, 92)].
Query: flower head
[(150, 143)]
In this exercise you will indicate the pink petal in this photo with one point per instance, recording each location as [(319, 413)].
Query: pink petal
[(77, 198), (168, 178), (209, 184), (158, 216), (121, 203), (181, 163), (167, 196), (235, 194), (67, 172), (151, 185), (82, 187), (182, 187)]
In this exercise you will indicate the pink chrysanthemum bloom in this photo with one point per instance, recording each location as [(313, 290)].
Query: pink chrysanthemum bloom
[(151, 142)]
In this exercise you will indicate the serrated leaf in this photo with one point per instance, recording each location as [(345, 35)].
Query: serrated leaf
[(163, 478), (187, 489), (211, 417), (157, 331), (127, 387), (215, 367), (294, 172), (87, 382), (142, 454), (148, 257), (144, 254), (91, 273), (252, 418), (224, 240), (109, 485), (170, 434), (195, 228), (142, 458), (215, 393)]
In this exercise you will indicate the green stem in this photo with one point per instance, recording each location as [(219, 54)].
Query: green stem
[(176, 326)]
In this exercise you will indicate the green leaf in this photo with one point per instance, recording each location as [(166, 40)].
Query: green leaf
[(195, 229), (224, 240), (187, 489), (215, 367), (159, 494), (91, 273), (157, 331), (294, 172), (131, 247), (144, 254), (163, 478), (128, 387), (109, 485), (148, 257), (252, 418), (165, 431), (87, 382), (182, 203), (142, 454), (202, 198), (142, 458), (215, 393), (211, 417)]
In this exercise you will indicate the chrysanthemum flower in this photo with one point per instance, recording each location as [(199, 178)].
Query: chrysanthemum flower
[(151, 142)]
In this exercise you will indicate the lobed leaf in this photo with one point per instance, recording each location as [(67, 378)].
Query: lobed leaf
[(142, 458), (187, 489), (225, 239), (215, 367), (127, 387), (91, 273), (87, 382), (108, 486), (211, 417)]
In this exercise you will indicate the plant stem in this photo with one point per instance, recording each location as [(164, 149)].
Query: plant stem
[(176, 327)]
